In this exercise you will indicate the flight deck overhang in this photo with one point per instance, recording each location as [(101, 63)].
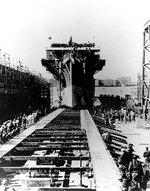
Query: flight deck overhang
[(72, 48)]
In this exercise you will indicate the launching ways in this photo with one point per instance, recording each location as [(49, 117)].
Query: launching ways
[(61, 152), (17, 139), (105, 169)]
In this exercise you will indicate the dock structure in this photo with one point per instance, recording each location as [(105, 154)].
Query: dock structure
[(105, 170), (63, 151), (19, 138)]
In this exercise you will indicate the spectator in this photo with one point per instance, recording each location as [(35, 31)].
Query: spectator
[(146, 155), (123, 159), (126, 182), (24, 121), (134, 186), (145, 177), (130, 152), (135, 167)]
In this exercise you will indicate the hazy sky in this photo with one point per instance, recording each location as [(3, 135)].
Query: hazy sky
[(115, 25)]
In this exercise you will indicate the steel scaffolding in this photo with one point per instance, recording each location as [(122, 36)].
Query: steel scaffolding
[(20, 88), (146, 67)]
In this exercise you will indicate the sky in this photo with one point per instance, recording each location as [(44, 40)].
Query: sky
[(116, 26)]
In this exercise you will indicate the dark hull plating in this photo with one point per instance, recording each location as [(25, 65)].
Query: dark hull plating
[(74, 67)]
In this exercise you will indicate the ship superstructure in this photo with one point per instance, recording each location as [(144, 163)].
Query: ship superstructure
[(74, 65)]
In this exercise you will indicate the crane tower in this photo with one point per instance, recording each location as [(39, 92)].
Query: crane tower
[(146, 67)]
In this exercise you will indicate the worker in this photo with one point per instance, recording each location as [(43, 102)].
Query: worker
[(145, 177), (135, 167), (146, 155)]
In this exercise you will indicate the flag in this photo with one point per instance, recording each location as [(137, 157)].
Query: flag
[(20, 64)]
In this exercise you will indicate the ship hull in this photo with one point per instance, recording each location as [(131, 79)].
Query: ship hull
[(73, 96), (74, 67), (76, 96)]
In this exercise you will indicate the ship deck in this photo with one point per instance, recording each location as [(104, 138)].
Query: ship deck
[(71, 48)]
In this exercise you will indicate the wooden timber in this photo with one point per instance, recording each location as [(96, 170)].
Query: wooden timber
[(56, 135), (111, 131), (53, 139), (101, 120), (106, 172), (43, 167), (113, 143), (26, 143), (44, 131), (24, 158), (58, 128), (51, 189), (33, 148)]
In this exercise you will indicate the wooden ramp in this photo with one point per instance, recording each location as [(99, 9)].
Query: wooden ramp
[(105, 170), (9, 145)]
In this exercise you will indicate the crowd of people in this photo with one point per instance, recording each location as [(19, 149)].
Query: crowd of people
[(112, 115), (14, 126), (134, 174)]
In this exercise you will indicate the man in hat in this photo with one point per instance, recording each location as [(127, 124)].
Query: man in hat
[(146, 155), (123, 159), (145, 177), (135, 168), (130, 151)]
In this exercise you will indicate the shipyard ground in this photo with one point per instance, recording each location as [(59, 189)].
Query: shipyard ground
[(138, 136)]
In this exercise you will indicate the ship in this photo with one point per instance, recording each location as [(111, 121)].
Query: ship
[(73, 65)]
